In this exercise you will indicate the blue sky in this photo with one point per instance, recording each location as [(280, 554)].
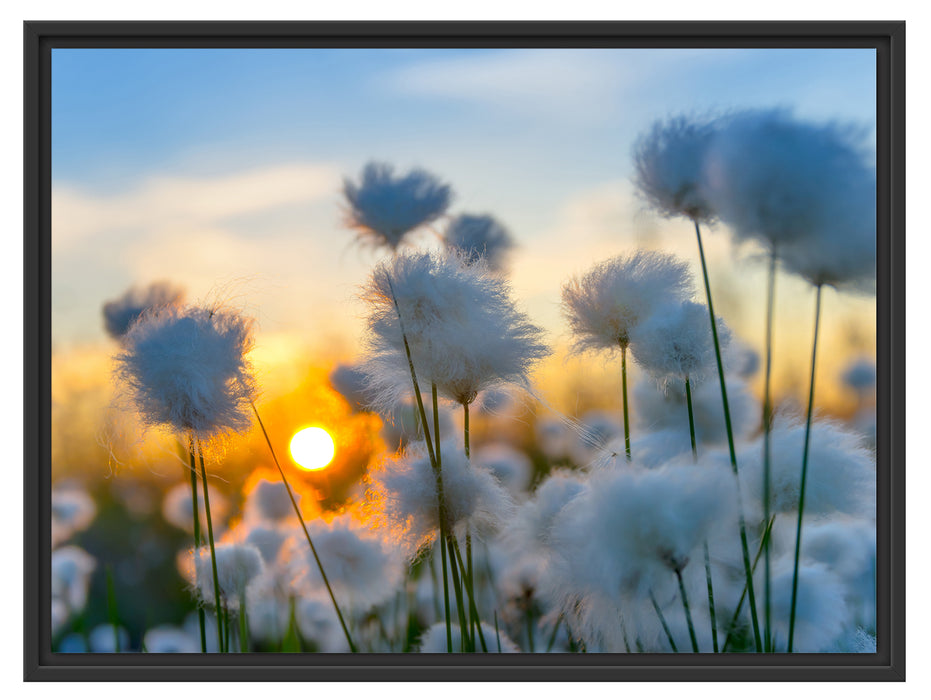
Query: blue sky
[(222, 168)]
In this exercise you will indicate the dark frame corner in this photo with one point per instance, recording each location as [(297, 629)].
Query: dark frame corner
[(888, 38)]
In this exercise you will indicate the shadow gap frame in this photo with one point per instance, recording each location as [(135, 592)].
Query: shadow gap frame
[(887, 38)]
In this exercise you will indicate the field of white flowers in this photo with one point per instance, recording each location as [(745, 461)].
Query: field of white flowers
[(697, 517)]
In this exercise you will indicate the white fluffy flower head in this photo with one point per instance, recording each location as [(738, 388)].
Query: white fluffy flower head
[(464, 332), (669, 161), (185, 369), (384, 207), (479, 236), (675, 342), (606, 303), (237, 566), (120, 314), (404, 501)]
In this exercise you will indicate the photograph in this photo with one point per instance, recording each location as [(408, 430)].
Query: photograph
[(470, 350)]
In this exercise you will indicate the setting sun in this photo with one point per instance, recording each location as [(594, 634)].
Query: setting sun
[(312, 448)]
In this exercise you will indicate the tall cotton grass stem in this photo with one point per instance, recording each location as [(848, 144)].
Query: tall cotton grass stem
[(213, 551), (201, 615), (444, 527), (473, 610), (445, 542), (767, 441), (688, 611), (624, 397), (745, 548), (297, 511), (743, 595), (801, 493), (474, 620), (710, 585), (662, 621), (243, 626)]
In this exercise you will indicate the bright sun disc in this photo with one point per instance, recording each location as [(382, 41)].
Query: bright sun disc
[(312, 448)]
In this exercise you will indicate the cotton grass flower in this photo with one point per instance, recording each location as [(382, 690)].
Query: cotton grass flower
[(319, 625), (185, 369), (433, 640), (403, 500), (464, 332), (269, 501), (237, 565), (121, 313), (350, 380), (71, 571), (669, 161), (511, 467), (860, 376), (778, 180), (605, 304), (178, 510), (675, 342), (480, 237), (384, 207), (841, 473), (531, 528), (361, 567), (821, 611), (73, 510)]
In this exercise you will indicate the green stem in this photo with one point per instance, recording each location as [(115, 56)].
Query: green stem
[(297, 511), (466, 642), (688, 611), (201, 615), (449, 626), (714, 622), (226, 628), (804, 478), (469, 571), (745, 547), (444, 525), (552, 641), (759, 553), (767, 441), (497, 633), (662, 621), (624, 399), (243, 626), (473, 610), (213, 551), (688, 401)]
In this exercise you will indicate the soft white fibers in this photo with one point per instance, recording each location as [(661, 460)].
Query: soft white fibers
[(73, 510), (669, 162), (120, 314), (605, 304), (630, 529), (480, 236), (186, 369), (268, 539), (511, 467), (841, 473), (71, 571), (178, 510), (821, 609), (675, 343), (434, 640), (464, 332), (530, 530), (404, 502), (318, 624), (269, 501), (383, 207), (779, 180), (363, 569), (592, 435), (237, 565), (168, 639), (350, 381)]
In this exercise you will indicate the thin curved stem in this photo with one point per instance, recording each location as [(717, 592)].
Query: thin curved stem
[(313, 549), (742, 524), (688, 611), (201, 615), (804, 477), (213, 551), (662, 621)]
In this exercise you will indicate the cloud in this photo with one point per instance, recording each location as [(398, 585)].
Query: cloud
[(168, 203), (564, 83)]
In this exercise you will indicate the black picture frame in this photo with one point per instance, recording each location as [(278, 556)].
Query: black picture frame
[(888, 664)]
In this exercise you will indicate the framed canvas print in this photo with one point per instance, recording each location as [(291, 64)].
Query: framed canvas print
[(464, 351)]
